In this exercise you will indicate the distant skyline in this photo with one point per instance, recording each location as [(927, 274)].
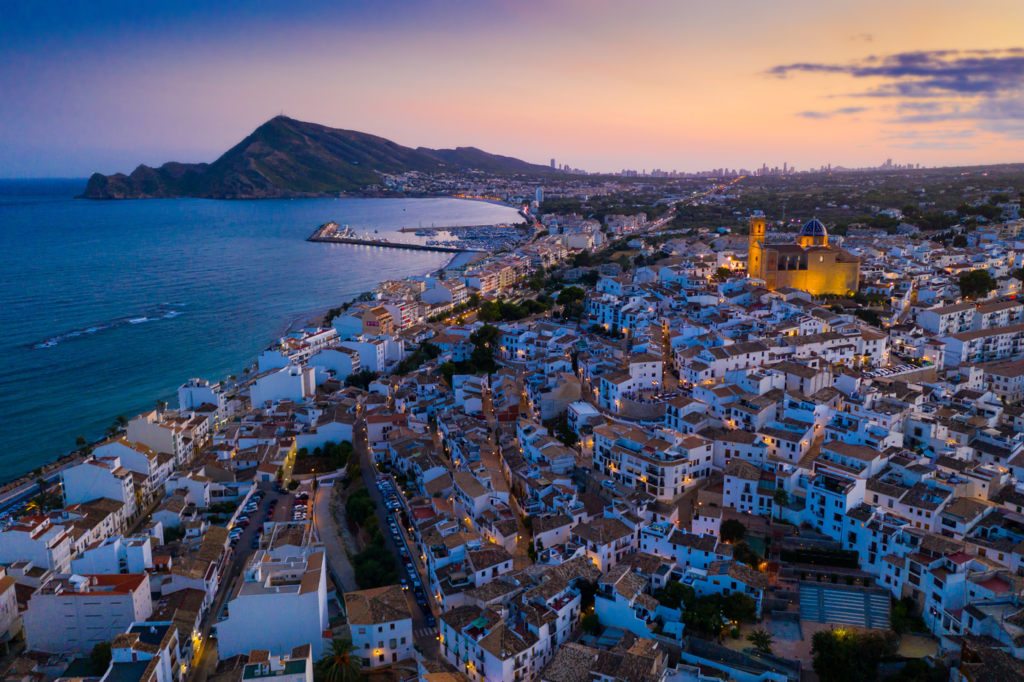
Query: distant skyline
[(598, 85)]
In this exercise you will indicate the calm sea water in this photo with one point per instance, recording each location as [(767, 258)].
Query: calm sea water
[(107, 307)]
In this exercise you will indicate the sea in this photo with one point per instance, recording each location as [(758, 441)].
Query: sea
[(107, 307)]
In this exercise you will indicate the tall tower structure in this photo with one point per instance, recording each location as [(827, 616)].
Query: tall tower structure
[(755, 247)]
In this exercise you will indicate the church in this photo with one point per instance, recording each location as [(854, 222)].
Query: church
[(810, 264)]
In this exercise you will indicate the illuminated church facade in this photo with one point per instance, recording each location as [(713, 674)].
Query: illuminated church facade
[(810, 264)]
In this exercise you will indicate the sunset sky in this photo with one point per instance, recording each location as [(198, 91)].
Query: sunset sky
[(103, 87)]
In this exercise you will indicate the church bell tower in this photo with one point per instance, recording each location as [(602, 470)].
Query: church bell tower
[(755, 251)]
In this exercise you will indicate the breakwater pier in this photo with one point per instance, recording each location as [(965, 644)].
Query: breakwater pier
[(326, 232)]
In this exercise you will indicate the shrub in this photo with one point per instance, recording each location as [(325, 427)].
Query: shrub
[(732, 531), (359, 506)]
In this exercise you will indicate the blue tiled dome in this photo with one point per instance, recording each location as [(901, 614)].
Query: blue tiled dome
[(813, 228)]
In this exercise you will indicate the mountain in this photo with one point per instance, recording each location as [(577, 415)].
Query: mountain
[(289, 158)]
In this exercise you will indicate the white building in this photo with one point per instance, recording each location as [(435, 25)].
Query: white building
[(74, 613), (153, 430), (36, 539), (372, 352), (381, 625), (296, 666), (196, 392), (292, 383), (99, 477), (282, 602), (115, 555)]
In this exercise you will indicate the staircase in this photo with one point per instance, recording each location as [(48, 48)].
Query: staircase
[(866, 608), (806, 462)]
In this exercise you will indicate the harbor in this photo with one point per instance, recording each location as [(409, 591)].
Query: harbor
[(333, 233), (475, 238)]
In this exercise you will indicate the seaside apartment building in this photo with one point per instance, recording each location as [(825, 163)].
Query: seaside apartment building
[(100, 477), (36, 539), (156, 430)]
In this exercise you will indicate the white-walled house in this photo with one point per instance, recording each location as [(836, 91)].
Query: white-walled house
[(288, 383), (196, 392), (117, 554), (37, 539), (335, 363), (98, 477), (142, 459), (74, 613), (282, 602), (372, 352), (380, 622)]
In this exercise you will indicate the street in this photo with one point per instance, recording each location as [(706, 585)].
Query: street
[(206, 656), (425, 636)]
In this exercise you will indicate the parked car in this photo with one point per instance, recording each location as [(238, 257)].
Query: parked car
[(404, 583), (431, 621)]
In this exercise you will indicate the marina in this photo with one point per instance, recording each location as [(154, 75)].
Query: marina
[(478, 238), (333, 233)]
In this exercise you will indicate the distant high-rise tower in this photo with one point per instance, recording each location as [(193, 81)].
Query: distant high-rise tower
[(539, 195), (552, 163)]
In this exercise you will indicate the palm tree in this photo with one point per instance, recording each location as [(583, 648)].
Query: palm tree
[(81, 442), (340, 663), (41, 503), (122, 421), (113, 430), (781, 499), (761, 639)]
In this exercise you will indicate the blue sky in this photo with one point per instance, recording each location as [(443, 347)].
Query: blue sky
[(601, 85)]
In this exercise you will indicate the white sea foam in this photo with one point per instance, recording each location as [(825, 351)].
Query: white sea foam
[(138, 320)]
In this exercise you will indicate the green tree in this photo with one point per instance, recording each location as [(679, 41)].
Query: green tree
[(722, 274), (844, 656), (359, 506), (761, 639), (83, 446), (371, 524), (361, 379), (582, 259), (340, 663), (570, 295), (100, 657), (375, 565), (675, 595), (960, 241), (977, 284), (781, 498), (590, 623), (484, 340), (870, 316), (640, 260), (738, 607), (732, 531)]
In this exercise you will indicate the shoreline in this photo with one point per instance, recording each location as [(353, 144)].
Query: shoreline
[(288, 323)]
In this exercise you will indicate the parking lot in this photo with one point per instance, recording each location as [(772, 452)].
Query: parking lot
[(890, 371), (266, 505)]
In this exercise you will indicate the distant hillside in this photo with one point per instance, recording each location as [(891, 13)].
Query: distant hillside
[(285, 157)]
